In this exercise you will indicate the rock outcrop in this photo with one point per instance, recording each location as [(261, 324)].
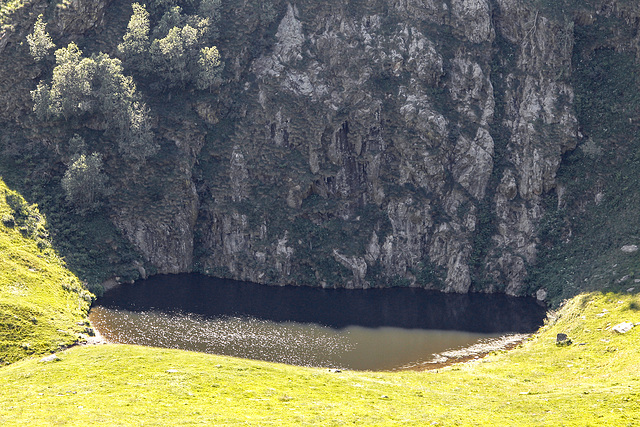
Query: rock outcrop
[(385, 121)]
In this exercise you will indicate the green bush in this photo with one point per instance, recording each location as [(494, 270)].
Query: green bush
[(18, 205), (40, 43), (85, 183), (8, 220)]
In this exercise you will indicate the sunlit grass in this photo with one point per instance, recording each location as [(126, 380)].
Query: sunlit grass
[(594, 381), (42, 305)]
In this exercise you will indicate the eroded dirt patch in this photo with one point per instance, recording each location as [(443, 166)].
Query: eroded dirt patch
[(474, 352)]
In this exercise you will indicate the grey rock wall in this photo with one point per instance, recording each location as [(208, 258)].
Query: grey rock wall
[(378, 127)]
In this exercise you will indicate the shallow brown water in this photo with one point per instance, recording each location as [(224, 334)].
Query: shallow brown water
[(307, 344), (374, 329)]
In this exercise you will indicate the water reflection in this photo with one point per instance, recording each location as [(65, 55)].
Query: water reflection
[(364, 329), (304, 344), (408, 308)]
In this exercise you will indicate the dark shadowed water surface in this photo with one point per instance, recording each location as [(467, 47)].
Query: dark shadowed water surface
[(356, 329)]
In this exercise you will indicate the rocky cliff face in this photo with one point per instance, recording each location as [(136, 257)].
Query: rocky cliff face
[(363, 144), (377, 127)]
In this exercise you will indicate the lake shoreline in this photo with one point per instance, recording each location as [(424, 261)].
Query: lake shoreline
[(441, 360), (469, 354)]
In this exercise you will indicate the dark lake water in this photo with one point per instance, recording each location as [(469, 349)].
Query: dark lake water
[(369, 329)]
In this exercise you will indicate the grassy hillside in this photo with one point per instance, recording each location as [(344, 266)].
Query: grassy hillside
[(594, 381), (43, 306)]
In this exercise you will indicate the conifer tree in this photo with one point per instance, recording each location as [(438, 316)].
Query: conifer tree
[(135, 43), (39, 41), (84, 183)]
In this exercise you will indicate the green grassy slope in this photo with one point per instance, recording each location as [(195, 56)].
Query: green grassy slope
[(594, 381), (43, 306)]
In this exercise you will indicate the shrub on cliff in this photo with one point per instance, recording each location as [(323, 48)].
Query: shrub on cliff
[(178, 51), (209, 68), (135, 43), (40, 43), (95, 87), (84, 183)]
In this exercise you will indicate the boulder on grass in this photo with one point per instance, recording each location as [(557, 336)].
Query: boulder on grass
[(563, 339), (50, 358), (622, 328)]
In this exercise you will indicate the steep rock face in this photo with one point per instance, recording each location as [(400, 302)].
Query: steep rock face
[(167, 242), (366, 147), (79, 16), (541, 124), (161, 226)]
